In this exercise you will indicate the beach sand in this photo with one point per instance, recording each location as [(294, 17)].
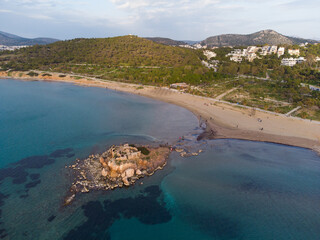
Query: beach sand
[(223, 120)]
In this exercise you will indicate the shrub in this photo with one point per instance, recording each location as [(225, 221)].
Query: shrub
[(32, 74), (143, 150), (46, 74)]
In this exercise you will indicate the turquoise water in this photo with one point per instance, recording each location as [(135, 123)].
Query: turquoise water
[(233, 190)]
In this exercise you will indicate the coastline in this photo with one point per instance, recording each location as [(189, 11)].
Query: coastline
[(223, 120)]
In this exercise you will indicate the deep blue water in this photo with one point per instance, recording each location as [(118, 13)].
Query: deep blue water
[(233, 190)]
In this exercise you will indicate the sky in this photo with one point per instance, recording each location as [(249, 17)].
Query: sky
[(176, 19)]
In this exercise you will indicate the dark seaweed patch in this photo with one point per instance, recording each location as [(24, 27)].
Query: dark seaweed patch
[(32, 184), (70, 155), (35, 162), (2, 198), (61, 153), (146, 208), (3, 232), (51, 218), (34, 176), (24, 196), (18, 172), (19, 175)]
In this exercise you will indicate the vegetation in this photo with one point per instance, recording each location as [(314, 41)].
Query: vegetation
[(32, 74), (46, 75), (143, 150)]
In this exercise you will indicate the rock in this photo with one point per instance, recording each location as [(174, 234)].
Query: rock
[(113, 174), (101, 160), (125, 181), (125, 166), (104, 172), (69, 199), (85, 190), (129, 172), (138, 172)]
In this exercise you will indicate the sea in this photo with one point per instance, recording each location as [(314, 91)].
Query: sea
[(233, 189)]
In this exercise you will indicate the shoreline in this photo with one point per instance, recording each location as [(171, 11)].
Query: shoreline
[(223, 121)]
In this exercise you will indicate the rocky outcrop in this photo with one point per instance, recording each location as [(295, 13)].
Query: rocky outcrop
[(117, 167)]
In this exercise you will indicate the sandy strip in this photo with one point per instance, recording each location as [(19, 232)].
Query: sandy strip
[(223, 120)]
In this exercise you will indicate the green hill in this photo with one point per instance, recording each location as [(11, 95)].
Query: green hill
[(127, 58), (118, 51)]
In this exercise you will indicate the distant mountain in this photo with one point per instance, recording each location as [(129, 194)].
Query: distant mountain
[(190, 42), (259, 38), (13, 40), (166, 41)]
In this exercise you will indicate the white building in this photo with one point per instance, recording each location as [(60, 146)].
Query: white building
[(273, 50), (236, 58), (281, 51), (267, 50), (199, 46), (10, 48), (290, 62), (264, 50), (251, 56), (252, 49), (209, 54), (301, 60), (295, 52), (187, 46), (314, 88)]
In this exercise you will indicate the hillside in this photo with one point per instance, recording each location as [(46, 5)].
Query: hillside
[(117, 51), (13, 40), (121, 58), (166, 41), (259, 38)]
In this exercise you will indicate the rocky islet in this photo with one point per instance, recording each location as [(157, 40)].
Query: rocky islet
[(117, 167)]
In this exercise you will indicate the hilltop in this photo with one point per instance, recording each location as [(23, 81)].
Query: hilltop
[(166, 41), (259, 38), (14, 40)]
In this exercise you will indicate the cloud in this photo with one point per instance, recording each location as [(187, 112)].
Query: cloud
[(6, 11), (179, 19)]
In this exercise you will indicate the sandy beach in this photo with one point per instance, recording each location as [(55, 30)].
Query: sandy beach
[(223, 120)]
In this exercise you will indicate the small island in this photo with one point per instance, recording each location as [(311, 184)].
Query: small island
[(117, 167)]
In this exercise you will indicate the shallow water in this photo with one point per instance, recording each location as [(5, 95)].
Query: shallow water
[(233, 190)]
